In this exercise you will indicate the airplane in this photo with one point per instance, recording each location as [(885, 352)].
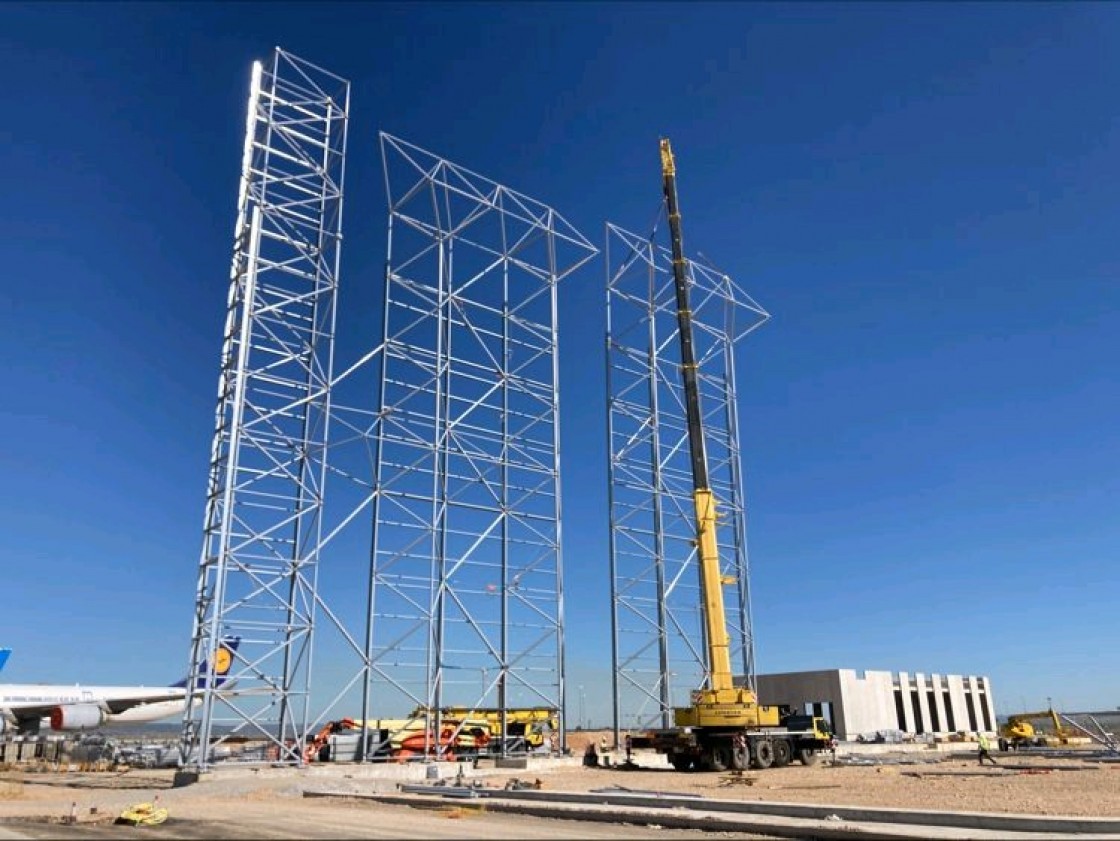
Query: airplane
[(23, 707), (4, 653)]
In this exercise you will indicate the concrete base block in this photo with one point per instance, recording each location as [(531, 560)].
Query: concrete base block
[(184, 778)]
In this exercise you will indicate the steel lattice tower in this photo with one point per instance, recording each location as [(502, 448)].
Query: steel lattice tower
[(258, 571), (658, 648), (465, 578)]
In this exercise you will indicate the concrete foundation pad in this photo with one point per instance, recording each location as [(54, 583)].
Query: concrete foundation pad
[(389, 772)]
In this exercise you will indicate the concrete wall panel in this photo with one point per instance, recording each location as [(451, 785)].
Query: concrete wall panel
[(863, 703)]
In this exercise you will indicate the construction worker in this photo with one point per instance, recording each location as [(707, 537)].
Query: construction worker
[(984, 747), (590, 756)]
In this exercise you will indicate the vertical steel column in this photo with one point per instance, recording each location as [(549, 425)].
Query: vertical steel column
[(738, 532), (257, 580), (658, 636), (466, 577)]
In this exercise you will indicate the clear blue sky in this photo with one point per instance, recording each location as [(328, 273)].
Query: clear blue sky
[(923, 195)]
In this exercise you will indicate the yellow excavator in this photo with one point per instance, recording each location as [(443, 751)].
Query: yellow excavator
[(723, 726)]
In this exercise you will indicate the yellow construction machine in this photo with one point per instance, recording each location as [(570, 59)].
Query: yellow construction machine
[(724, 726), (463, 733), (526, 728), (1019, 732), (402, 738)]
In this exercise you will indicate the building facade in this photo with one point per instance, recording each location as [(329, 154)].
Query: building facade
[(866, 703)]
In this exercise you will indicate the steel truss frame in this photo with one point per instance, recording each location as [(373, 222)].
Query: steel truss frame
[(465, 599), (257, 576), (658, 648)]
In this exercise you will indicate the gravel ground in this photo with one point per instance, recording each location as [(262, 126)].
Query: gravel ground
[(912, 778), (1030, 786), (269, 803), (269, 806), (1022, 783)]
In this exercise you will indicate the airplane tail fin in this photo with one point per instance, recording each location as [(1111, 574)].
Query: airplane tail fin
[(4, 652), (223, 662)]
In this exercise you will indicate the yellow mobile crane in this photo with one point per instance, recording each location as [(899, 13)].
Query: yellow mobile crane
[(724, 726)]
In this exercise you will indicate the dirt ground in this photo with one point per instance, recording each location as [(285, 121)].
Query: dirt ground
[(269, 803), (1022, 783), (37, 806)]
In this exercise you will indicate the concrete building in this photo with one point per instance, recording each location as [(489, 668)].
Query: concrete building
[(866, 703)]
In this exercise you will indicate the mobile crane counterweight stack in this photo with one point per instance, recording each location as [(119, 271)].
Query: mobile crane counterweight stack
[(724, 725)]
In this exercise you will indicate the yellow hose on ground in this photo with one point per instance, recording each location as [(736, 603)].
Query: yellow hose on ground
[(143, 814)]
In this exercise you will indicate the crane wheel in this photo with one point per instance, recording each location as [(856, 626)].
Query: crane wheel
[(763, 753), (681, 762), (808, 756), (719, 756), (740, 758), (783, 753)]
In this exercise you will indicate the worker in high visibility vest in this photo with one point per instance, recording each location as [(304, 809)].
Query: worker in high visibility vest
[(984, 747)]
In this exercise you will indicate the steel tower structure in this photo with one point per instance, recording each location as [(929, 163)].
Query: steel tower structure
[(658, 649), (257, 576), (465, 600)]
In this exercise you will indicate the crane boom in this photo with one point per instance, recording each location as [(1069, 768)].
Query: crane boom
[(723, 726), (684, 323), (711, 582)]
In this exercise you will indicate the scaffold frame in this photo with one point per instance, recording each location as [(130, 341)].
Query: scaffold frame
[(659, 653), (263, 531), (465, 600)]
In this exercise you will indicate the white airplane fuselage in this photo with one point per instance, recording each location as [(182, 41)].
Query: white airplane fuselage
[(26, 706), (145, 703)]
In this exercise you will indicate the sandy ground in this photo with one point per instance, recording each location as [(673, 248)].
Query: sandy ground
[(269, 803), (346, 819), (271, 807), (1022, 783)]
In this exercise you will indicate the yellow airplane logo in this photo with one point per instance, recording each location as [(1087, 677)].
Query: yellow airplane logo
[(223, 659)]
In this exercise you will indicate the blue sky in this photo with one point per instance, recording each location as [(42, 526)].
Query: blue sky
[(923, 196)]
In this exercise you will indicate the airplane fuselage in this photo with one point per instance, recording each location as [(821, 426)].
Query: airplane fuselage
[(135, 704), (26, 706)]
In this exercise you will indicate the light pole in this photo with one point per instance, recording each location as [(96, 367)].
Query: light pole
[(581, 708)]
